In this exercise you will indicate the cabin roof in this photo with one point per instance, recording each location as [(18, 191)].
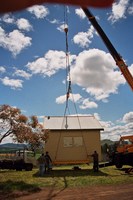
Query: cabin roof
[(71, 123)]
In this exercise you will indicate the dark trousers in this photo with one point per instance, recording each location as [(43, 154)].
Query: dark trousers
[(95, 166)]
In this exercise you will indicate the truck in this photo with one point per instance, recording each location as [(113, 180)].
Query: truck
[(122, 155), (124, 152), (19, 160)]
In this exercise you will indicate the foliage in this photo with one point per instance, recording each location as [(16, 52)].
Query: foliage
[(108, 146), (21, 128)]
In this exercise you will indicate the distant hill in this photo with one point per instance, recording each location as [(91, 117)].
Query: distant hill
[(12, 146)]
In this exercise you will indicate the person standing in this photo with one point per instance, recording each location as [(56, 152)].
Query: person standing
[(48, 162), (41, 161), (95, 161)]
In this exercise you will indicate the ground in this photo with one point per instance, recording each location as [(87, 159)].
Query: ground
[(122, 192)]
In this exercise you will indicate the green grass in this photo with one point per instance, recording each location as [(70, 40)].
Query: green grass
[(62, 177)]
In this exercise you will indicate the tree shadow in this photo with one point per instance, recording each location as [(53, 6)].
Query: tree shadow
[(7, 189)]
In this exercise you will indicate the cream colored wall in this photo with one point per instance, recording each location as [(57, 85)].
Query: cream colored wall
[(57, 151)]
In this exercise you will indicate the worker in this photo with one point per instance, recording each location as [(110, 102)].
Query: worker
[(48, 162), (95, 161), (15, 5), (41, 162)]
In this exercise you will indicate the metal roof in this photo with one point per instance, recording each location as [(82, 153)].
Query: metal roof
[(71, 123)]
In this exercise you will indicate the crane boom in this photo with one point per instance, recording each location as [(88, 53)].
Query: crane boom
[(118, 59)]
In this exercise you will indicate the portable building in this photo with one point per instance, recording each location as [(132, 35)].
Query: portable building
[(72, 139)]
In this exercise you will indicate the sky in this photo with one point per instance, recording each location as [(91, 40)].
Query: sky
[(33, 69)]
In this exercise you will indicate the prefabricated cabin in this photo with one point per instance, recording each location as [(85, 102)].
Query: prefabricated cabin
[(72, 139)]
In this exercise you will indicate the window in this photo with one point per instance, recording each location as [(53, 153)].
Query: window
[(68, 142), (73, 141), (78, 141)]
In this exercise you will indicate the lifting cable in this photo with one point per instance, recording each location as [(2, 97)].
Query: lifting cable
[(68, 83), (68, 78)]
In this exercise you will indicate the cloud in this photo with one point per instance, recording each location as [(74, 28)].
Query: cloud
[(54, 21), (73, 97), (23, 24), (97, 116), (88, 104), (131, 69), (96, 72), (39, 11), (77, 98), (80, 13), (130, 10), (83, 39), (2, 69), (15, 41), (114, 131), (48, 65), (13, 83), (128, 117), (7, 19), (118, 10), (62, 27), (22, 73), (61, 99)]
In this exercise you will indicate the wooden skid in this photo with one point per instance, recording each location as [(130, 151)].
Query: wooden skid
[(67, 162)]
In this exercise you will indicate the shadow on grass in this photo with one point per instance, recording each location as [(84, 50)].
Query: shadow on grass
[(126, 171), (71, 173), (7, 189)]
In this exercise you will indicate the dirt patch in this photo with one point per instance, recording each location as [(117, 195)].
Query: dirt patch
[(122, 192)]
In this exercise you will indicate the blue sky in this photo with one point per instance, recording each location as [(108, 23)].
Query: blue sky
[(33, 64)]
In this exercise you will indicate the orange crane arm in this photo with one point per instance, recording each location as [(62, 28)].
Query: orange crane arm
[(118, 59)]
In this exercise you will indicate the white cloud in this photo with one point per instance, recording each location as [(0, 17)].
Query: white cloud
[(13, 83), (130, 9), (39, 11), (128, 117), (7, 139), (15, 41), (96, 71), (2, 69), (80, 13), (131, 69), (23, 74), (73, 97), (61, 99), (77, 98), (114, 131), (62, 27), (54, 21), (83, 39), (88, 104), (97, 116), (48, 65), (24, 24), (118, 10), (7, 19)]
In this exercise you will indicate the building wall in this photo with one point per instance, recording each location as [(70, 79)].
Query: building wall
[(73, 144)]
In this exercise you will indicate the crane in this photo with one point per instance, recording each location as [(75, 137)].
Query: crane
[(118, 59)]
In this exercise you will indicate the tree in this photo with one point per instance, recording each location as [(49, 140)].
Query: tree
[(21, 128)]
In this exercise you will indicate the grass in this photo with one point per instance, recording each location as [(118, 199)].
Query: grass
[(62, 177)]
